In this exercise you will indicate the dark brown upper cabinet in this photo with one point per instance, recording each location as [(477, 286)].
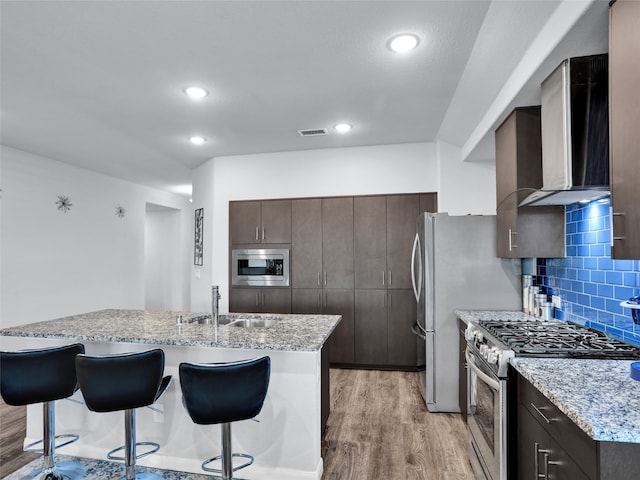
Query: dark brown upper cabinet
[(624, 128), (266, 221), (524, 232)]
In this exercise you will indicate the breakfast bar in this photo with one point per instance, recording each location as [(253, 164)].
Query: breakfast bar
[(284, 438)]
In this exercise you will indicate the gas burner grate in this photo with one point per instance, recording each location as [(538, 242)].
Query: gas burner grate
[(555, 338)]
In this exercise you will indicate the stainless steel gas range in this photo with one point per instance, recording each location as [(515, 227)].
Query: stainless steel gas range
[(490, 346)]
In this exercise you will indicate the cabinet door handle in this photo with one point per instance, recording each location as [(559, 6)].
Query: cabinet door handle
[(511, 244), (548, 462), (611, 227), (383, 277), (389, 277), (318, 278), (257, 299), (325, 277), (536, 462), (539, 410), (262, 233), (257, 233)]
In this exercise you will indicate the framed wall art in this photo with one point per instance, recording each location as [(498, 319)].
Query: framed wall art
[(197, 246)]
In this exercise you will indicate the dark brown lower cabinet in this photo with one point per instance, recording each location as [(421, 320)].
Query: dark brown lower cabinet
[(383, 336), (260, 300), (330, 302), (551, 447)]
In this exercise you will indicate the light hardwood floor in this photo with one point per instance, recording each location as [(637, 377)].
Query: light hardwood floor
[(378, 428), (12, 431)]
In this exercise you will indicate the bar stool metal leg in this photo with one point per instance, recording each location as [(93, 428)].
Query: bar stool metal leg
[(49, 470)]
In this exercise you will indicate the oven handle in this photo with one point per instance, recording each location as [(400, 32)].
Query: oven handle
[(494, 384)]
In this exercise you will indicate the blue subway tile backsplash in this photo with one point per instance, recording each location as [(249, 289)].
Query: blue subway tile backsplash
[(590, 284)]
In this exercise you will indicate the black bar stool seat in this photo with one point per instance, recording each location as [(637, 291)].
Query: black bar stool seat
[(124, 382), (43, 376), (224, 393)]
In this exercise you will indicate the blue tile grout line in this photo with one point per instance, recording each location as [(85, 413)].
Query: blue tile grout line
[(591, 284)]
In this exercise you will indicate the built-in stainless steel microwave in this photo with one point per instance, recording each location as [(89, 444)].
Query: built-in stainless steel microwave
[(260, 267)]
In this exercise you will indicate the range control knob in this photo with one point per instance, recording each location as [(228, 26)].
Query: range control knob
[(492, 355)]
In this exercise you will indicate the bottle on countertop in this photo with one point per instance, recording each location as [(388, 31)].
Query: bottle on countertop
[(527, 282)]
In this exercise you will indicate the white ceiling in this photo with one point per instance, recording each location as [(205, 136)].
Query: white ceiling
[(99, 84)]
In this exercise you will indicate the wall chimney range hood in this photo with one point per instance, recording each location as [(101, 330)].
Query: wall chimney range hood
[(575, 133)]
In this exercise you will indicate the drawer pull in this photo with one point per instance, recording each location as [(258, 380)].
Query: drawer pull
[(539, 410)]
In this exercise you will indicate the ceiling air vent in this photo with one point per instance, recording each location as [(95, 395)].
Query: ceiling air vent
[(313, 132)]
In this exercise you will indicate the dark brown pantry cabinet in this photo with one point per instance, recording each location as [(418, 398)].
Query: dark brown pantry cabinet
[(550, 446), (624, 137), (524, 232), (350, 256), (265, 221)]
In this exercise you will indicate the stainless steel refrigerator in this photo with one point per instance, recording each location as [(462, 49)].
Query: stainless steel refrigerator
[(454, 267)]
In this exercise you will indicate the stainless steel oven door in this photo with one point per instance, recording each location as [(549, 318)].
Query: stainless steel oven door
[(486, 419)]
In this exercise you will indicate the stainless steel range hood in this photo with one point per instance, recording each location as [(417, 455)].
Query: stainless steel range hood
[(575, 133)]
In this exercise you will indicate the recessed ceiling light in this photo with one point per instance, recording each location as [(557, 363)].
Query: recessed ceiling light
[(197, 140), (403, 42), (342, 127), (196, 92)]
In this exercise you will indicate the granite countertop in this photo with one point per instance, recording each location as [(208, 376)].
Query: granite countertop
[(290, 332), (598, 395), (477, 315)]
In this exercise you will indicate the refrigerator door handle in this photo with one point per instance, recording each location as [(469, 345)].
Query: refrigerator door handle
[(416, 330), (416, 288)]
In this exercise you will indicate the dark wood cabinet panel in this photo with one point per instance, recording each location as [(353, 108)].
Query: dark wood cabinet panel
[(244, 222), (276, 221), (524, 232), (244, 300), (402, 211), (330, 302), (341, 343), (260, 300), (428, 202), (370, 240), (276, 300), (624, 118), (306, 243), (371, 327), (337, 242), (401, 341), (266, 221), (306, 301)]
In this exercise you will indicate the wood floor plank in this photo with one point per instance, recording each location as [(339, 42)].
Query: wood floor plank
[(379, 427)]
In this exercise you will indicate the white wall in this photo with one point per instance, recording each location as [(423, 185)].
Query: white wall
[(465, 187), (56, 264), (382, 169), (163, 235)]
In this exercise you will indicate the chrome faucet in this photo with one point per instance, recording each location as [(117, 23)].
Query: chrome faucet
[(215, 301)]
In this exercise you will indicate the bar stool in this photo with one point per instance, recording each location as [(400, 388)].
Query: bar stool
[(124, 382), (224, 393), (43, 376)]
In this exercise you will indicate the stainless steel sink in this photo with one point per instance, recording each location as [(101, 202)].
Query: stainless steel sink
[(254, 323), (236, 320)]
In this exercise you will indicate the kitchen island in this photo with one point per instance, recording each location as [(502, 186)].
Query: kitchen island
[(285, 440)]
